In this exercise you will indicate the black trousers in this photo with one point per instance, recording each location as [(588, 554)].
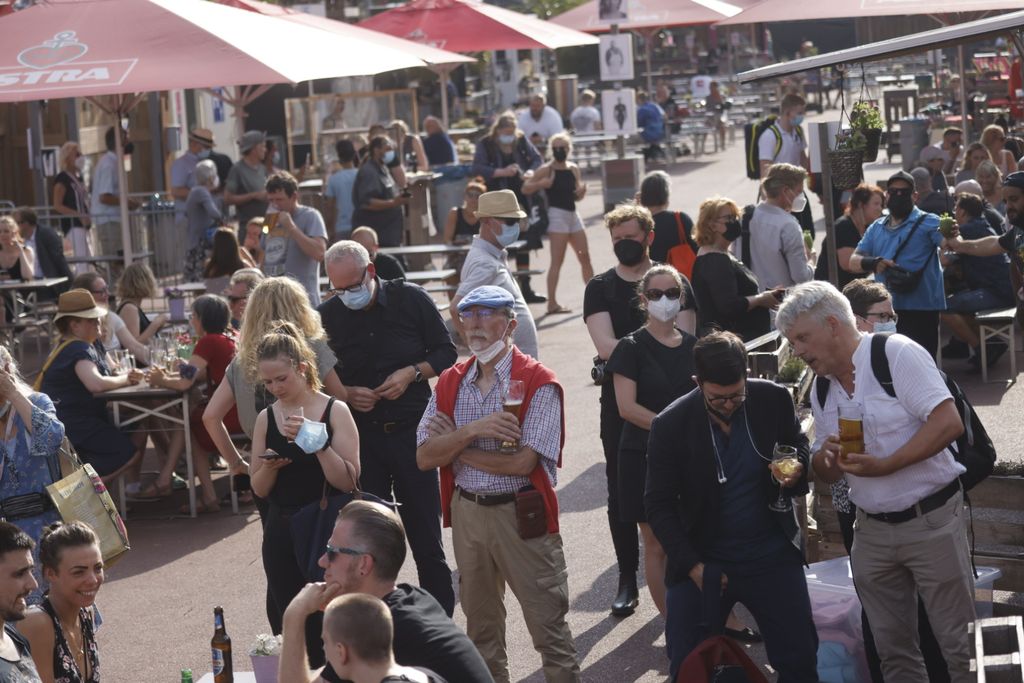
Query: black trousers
[(930, 650), (388, 463), (285, 580), (625, 538), (922, 327)]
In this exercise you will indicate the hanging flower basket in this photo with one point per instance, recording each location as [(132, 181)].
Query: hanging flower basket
[(846, 168), (872, 140)]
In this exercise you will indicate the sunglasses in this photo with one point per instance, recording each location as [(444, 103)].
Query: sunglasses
[(899, 192), (656, 294), (509, 221), (333, 552)]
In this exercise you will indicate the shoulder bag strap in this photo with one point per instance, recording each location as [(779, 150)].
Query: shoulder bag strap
[(49, 361), (880, 363), (909, 236)]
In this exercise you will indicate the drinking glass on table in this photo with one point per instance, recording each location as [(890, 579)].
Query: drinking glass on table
[(785, 461), (513, 401)]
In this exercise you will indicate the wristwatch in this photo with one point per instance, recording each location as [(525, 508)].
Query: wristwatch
[(419, 375)]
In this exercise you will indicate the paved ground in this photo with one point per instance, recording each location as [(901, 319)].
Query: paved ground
[(158, 601)]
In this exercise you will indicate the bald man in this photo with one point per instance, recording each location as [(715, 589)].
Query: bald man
[(388, 267)]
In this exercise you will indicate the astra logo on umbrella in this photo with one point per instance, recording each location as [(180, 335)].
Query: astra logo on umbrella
[(63, 49)]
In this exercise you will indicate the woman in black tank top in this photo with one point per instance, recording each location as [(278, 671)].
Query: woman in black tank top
[(460, 228), (287, 476)]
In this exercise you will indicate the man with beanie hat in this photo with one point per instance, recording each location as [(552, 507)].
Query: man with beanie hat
[(908, 240), (246, 184)]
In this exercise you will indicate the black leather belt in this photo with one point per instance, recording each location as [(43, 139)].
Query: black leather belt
[(922, 507), (488, 499), (389, 427)]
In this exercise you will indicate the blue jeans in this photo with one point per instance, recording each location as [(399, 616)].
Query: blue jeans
[(974, 300), (777, 598)]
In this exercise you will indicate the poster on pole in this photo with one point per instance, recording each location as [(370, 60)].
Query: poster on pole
[(616, 56), (613, 11), (618, 111), (48, 161)]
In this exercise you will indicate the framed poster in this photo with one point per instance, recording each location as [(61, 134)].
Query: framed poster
[(618, 111), (616, 56), (613, 11)]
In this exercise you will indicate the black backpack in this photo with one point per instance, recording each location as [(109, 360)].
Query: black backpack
[(973, 449), (752, 133)]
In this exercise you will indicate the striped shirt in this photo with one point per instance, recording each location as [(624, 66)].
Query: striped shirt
[(541, 427), (890, 422)]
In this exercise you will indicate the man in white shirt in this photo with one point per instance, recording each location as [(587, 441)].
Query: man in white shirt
[(106, 195), (586, 118), (911, 538), (540, 121), (778, 255)]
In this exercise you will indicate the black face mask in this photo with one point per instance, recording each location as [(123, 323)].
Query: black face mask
[(629, 252), (733, 230), (559, 153), (900, 206), (129, 147)]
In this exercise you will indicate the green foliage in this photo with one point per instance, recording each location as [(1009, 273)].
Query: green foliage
[(792, 370), (865, 116)]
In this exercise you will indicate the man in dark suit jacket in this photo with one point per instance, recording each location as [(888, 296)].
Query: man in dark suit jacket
[(721, 509), (48, 248)]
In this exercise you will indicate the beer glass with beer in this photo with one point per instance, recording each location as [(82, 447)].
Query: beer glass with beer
[(851, 428), (786, 463), (514, 393)]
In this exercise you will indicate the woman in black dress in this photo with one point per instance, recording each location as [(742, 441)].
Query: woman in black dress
[(726, 290), (71, 200), (62, 631), (864, 209), (652, 367), (285, 475)]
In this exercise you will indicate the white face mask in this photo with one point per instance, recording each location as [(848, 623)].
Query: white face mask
[(80, 163), (664, 309), (485, 354), (799, 203)]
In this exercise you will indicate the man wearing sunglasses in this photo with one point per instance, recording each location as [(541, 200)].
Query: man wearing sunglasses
[(710, 482), (486, 263), (909, 239), (364, 554)]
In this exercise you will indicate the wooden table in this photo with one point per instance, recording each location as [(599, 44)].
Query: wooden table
[(165, 400), (14, 287)]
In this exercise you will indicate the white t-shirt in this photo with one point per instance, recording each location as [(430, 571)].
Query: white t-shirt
[(550, 123), (114, 324), (891, 422), (585, 119), (791, 151)]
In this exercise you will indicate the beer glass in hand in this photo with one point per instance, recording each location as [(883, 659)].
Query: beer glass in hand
[(786, 463), (513, 401), (851, 428)]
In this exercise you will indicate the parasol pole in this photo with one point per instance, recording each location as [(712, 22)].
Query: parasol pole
[(122, 186), (966, 122)]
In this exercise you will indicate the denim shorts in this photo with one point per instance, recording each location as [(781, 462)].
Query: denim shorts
[(974, 300)]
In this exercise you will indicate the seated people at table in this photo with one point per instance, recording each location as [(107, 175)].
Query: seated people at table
[(204, 216), (295, 246), (32, 440), (136, 283), (462, 224), (17, 581), (388, 267), (650, 118), (973, 155), (865, 208), (114, 334), (994, 139), (75, 374), (62, 630), (995, 219), (287, 476), (377, 197), (339, 191), (728, 295), (562, 183), (987, 280), (253, 244), (540, 121), (214, 350), (586, 118), (227, 257), (17, 261), (47, 246), (991, 181), (655, 195), (239, 287), (71, 201), (437, 144), (423, 634)]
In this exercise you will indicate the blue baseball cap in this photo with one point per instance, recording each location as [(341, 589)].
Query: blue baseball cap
[(1015, 179), (488, 296)]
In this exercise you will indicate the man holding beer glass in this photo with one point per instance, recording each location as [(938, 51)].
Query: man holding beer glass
[(498, 449), (910, 535)]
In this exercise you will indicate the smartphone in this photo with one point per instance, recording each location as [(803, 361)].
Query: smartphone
[(273, 455)]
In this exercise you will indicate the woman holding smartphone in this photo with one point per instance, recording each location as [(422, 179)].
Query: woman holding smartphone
[(283, 473)]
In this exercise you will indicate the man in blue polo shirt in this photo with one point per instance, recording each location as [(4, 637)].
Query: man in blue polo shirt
[(900, 248)]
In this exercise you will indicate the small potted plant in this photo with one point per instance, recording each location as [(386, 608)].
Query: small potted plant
[(175, 303), (265, 653), (867, 120)]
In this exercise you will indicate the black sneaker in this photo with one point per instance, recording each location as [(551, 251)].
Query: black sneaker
[(533, 297), (956, 349)]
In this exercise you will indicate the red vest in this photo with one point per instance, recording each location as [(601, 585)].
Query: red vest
[(534, 375)]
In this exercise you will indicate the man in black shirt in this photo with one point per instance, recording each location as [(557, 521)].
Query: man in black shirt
[(364, 555), (390, 339), (387, 266)]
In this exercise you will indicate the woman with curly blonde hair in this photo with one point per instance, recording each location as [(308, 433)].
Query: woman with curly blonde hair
[(136, 283)]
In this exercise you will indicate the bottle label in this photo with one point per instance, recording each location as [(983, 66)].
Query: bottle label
[(218, 662)]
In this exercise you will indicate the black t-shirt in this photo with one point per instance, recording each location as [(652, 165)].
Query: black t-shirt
[(666, 234), (427, 637), (388, 267), (723, 284), (1012, 241), (662, 373), (847, 236)]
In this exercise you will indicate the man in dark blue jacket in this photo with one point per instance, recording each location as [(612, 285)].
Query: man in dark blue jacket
[(721, 508)]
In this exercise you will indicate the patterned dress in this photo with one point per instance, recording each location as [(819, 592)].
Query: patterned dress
[(25, 467), (65, 669)]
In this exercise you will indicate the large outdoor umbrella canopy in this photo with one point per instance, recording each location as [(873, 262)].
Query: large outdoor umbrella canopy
[(90, 48), (472, 26), (800, 10), (652, 14)]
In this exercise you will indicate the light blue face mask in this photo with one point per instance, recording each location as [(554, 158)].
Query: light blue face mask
[(358, 299), (506, 139), (798, 119), (312, 436), (389, 156), (509, 234), (204, 154), (889, 326)]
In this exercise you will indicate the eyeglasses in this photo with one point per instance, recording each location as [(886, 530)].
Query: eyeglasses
[(656, 294), (509, 221), (736, 399), (481, 314), (333, 552), (884, 316), (101, 292), (351, 288)]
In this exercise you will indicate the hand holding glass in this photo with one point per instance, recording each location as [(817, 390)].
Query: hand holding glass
[(851, 428), (513, 401), (787, 464)]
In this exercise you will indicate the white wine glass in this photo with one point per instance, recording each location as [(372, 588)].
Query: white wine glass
[(785, 461)]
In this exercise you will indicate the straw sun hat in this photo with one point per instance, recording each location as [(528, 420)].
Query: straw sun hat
[(78, 303)]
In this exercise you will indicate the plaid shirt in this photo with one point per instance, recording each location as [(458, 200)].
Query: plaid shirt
[(541, 429)]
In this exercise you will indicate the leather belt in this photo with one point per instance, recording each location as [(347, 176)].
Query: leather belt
[(489, 498), (922, 507), (389, 427)]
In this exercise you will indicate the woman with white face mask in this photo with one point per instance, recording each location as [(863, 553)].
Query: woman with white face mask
[(651, 367)]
